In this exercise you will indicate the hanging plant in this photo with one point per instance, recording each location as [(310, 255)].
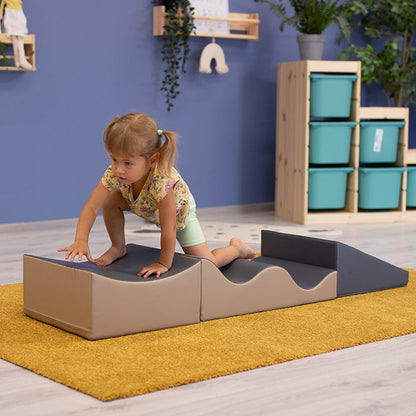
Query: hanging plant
[(175, 50), (3, 51)]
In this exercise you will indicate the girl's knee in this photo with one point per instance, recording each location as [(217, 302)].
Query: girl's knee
[(199, 250)]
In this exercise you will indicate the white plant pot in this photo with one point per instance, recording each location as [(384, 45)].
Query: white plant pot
[(311, 46)]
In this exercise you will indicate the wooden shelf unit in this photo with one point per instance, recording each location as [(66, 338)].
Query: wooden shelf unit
[(402, 160), (29, 45), (245, 24), (292, 147), (411, 157)]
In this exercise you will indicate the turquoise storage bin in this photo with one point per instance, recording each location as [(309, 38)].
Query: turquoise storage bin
[(330, 95), (411, 186), (330, 141), (327, 187), (379, 188), (379, 140)]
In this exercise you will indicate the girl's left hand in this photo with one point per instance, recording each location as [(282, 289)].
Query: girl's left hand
[(155, 268)]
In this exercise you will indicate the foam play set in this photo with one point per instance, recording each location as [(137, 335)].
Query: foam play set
[(102, 302)]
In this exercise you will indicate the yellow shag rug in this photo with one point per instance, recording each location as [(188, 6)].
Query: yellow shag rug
[(136, 364)]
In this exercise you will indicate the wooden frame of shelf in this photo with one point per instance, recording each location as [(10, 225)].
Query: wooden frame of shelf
[(29, 45), (401, 214), (292, 141), (246, 24), (292, 137), (411, 157), (404, 157)]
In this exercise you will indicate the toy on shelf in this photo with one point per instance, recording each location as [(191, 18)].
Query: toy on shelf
[(212, 51), (14, 25)]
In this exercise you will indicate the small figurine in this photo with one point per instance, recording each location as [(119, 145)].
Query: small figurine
[(14, 25)]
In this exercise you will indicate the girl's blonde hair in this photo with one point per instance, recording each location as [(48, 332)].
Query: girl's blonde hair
[(137, 134)]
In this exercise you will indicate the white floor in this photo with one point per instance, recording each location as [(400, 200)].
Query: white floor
[(372, 379)]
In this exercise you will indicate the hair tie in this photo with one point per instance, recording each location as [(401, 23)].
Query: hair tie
[(160, 132)]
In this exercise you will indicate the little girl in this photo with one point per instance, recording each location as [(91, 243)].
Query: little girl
[(142, 180)]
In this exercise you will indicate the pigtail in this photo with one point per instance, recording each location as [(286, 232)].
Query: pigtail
[(167, 152)]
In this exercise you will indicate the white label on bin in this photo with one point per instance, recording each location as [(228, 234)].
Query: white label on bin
[(378, 139)]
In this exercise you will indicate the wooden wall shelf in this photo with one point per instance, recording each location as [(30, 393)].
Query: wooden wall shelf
[(246, 25), (29, 44)]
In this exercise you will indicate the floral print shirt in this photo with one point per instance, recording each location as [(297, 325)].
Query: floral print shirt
[(154, 190)]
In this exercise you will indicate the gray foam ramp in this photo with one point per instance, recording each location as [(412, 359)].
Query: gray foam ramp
[(358, 272)]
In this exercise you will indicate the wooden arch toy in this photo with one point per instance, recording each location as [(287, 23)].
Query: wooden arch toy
[(210, 52)]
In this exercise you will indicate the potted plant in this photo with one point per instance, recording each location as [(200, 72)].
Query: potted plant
[(310, 18), (389, 57), (175, 50)]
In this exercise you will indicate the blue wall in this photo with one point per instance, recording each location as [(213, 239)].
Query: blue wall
[(98, 58)]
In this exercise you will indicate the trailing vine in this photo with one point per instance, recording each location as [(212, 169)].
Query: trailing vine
[(3, 51), (175, 50)]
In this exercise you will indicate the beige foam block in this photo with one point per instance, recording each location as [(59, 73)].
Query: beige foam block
[(95, 306), (271, 288)]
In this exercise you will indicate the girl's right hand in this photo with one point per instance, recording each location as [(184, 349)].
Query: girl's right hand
[(78, 248), (155, 268)]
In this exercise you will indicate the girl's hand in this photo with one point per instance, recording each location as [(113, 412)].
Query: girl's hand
[(167, 215), (86, 220), (155, 268), (79, 249)]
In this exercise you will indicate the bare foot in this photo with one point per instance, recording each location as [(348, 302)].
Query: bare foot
[(112, 254), (245, 252)]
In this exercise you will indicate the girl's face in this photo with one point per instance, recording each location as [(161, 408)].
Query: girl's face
[(130, 170)]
